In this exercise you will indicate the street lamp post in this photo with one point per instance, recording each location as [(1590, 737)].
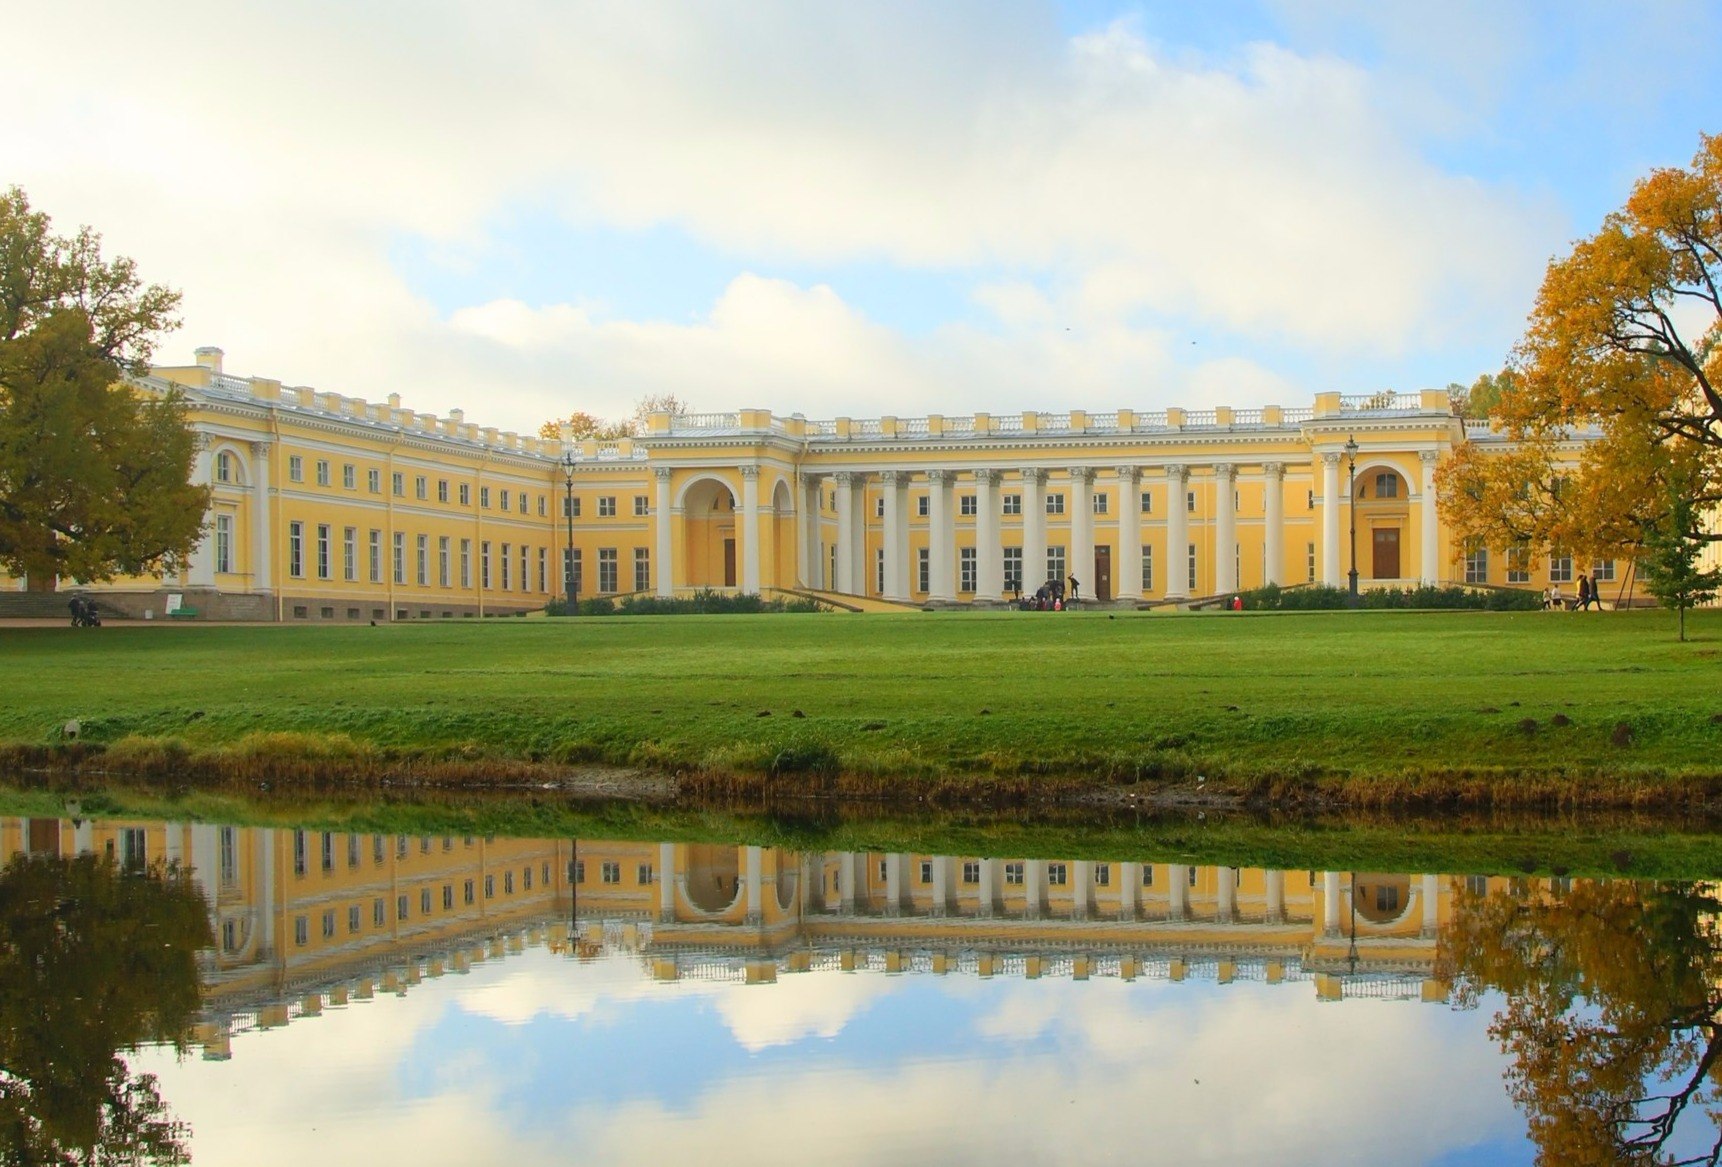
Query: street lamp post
[(568, 586), (1351, 494)]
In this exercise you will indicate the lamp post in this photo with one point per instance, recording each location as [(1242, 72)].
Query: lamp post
[(1351, 494), (568, 514)]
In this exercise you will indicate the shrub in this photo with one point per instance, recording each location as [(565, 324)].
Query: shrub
[(705, 602), (1316, 597)]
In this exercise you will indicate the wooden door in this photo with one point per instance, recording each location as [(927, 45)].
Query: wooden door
[(729, 563), (1103, 573), (1386, 553)]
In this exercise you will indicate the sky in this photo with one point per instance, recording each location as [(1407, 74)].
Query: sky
[(535, 206)]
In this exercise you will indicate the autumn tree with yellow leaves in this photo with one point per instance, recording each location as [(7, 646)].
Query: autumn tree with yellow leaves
[(585, 425), (1623, 342)]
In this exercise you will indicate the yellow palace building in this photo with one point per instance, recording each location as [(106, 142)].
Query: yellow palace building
[(327, 507)]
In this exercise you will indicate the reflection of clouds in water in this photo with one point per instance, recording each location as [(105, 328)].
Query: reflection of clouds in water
[(1054, 1066)]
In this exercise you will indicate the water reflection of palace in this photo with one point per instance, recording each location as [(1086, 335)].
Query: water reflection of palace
[(310, 920)]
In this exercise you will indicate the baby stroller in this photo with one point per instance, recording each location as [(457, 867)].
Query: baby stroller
[(84, 613)]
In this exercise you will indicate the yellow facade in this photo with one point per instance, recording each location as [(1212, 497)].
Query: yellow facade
[(332, 508)]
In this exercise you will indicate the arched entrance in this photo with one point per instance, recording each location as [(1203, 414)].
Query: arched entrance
[(710, 554), (782, 570), (713, 877), (1383, 507)]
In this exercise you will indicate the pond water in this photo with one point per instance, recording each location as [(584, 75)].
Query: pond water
[(296, 996)]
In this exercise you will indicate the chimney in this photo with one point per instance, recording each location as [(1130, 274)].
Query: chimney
[(209, 357)]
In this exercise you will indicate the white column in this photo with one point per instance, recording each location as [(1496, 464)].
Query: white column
[(1276, 908), (1082, 878), (1081, 561), (989, 888), (1033, 528), (1330, 572), (1227, 908), (896, 534), (1177, 891), (849, 572), (750, 529), (1431, 891), (1430, 550), (200, 571), (1177, 534), (262, 528), (666, 882), (1034, 887), (1127, 583), (941, 538), (893, 884), (664, 521), (1274, 522), (942, 885), (1225, 528), (1330, 902), (989, 548), (1129, 889), (846, 882), (810, 548), (173, 842), (266, 881), (755, 901), (83, 840)]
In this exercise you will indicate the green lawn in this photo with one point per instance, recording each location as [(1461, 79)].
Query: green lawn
[(918, 694)]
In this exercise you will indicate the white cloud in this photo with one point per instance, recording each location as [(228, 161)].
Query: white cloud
[(267, 160)]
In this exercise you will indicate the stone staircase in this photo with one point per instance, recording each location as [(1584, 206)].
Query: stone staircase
[(49, 606)]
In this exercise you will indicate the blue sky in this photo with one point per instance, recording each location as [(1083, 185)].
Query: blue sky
[(892, 207)]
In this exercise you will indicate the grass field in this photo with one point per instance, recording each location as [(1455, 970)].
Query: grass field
[(916, 695)]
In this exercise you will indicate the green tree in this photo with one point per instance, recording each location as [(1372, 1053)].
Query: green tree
[(92, 961), (94, 474), (1673, 544), (1481, 398)]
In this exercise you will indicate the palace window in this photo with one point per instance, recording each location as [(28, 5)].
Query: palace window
[(1147, 875), (1190, 501), (349, 476), (1309, 557), (301, 931), (1013, 504), (1056, 875), (542, 511), (642, 506), (421, 554), (374, 480), (1102, 875), (484, 498), (322, 550), (611, 873), (295, 468), (525, 583), (966, 569), (421, 487), (1560, 568), (349, 553), (400, 557), (1147, 503), (1013, 569), (606, 569), (971, 871), (967, 504), (573, 570), (1387, 485), (353, 918), (376, 556), (642, 875), (923, 570), (879, 507), (504, 500), (378, 916), (322, 472), (398, 484), (1055, 504), (464, 493), (1309, 500), (402, 912), (879, 571), (298, 852), (506, 548), (1013, 873), (442, 563), (224, 467), (1192, 584), (223, 543), (1147, 570), (508, 883), (466, 563), (1518, 565), (607, 506), (1477, 565), (922, 502), (543, 569), (1055, 563), (642, 569), (1100, 504), (1602, 571), (442, 490)]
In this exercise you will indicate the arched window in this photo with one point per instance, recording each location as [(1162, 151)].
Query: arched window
[(224, 467), (1387, 484)]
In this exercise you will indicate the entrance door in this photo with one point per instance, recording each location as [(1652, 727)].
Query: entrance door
[(1103, 573), (729, 563), (1386, 553)]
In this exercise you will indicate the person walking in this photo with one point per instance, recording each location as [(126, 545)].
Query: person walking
[(1075, 589), (1584, 592)]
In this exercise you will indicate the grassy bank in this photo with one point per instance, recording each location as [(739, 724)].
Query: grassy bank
[(1483, 843), (1395, 701)]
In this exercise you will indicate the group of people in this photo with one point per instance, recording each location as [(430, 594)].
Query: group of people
[(84, 614), (1048, 597), (1588, 594)]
